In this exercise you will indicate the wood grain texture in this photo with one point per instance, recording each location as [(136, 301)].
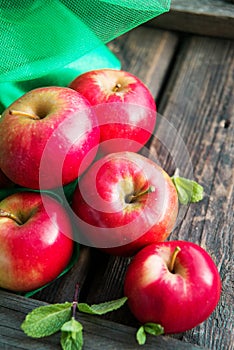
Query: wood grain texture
[(152, 59), (98, 334), (206, 17), (209, 7), (199, 102)]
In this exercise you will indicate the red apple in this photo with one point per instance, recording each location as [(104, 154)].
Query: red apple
[(124, 106), (175, 287), (124, 202), (35, 246), (48, 137)]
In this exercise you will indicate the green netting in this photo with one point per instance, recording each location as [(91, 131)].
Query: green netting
[(51, 37)]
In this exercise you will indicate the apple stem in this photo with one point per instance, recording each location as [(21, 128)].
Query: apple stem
[(24, 114), (132, 197), (117, 87), (75, 300), (5, 214), (173, 259)]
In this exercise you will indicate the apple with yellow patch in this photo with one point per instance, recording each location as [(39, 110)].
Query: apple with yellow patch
[(48, 137), (124, 105), (36, 243), (124, 202)]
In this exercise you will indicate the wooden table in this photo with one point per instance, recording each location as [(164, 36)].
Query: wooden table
[(192, 79)]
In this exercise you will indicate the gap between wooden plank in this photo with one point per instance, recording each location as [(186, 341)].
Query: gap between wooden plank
[(209, 7), (98, 334), (205, 17), (198, 100)]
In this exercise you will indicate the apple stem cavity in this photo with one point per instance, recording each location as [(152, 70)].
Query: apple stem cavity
[(24, 114), (6, 214), (117, 87), (173, 259), (133, 197)]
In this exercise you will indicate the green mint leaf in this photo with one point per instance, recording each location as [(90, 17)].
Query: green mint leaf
[(189, 191), (141, 336), (46, 320), (150, 328), (103, 308), (72, 336), (71, 340), (153, 328), (72, 326)]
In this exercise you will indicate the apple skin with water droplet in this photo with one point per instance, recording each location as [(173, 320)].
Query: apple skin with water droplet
[(35, 239), (177, 299), (124, 202), (124, 105), (48, 137)]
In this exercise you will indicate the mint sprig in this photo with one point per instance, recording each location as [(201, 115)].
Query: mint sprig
[(189, 191), (150, 328), (46, 320), (103, 308), (49, 319)]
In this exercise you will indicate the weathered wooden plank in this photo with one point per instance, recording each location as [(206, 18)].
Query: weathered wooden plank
[(98, 333), (147, 53), (211, 7), (206, 17), (198, 104)]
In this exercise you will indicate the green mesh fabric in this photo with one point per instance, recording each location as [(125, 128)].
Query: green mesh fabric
[(41, 37)]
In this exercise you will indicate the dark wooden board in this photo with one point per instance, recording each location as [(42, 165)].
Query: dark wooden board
[(98, 334), (147, 53), (197, 101), (205, 17)]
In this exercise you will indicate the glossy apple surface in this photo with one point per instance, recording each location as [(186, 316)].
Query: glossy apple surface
[(124, 202), (124, 106), (35, 246), (48, 137), (178, 297)]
